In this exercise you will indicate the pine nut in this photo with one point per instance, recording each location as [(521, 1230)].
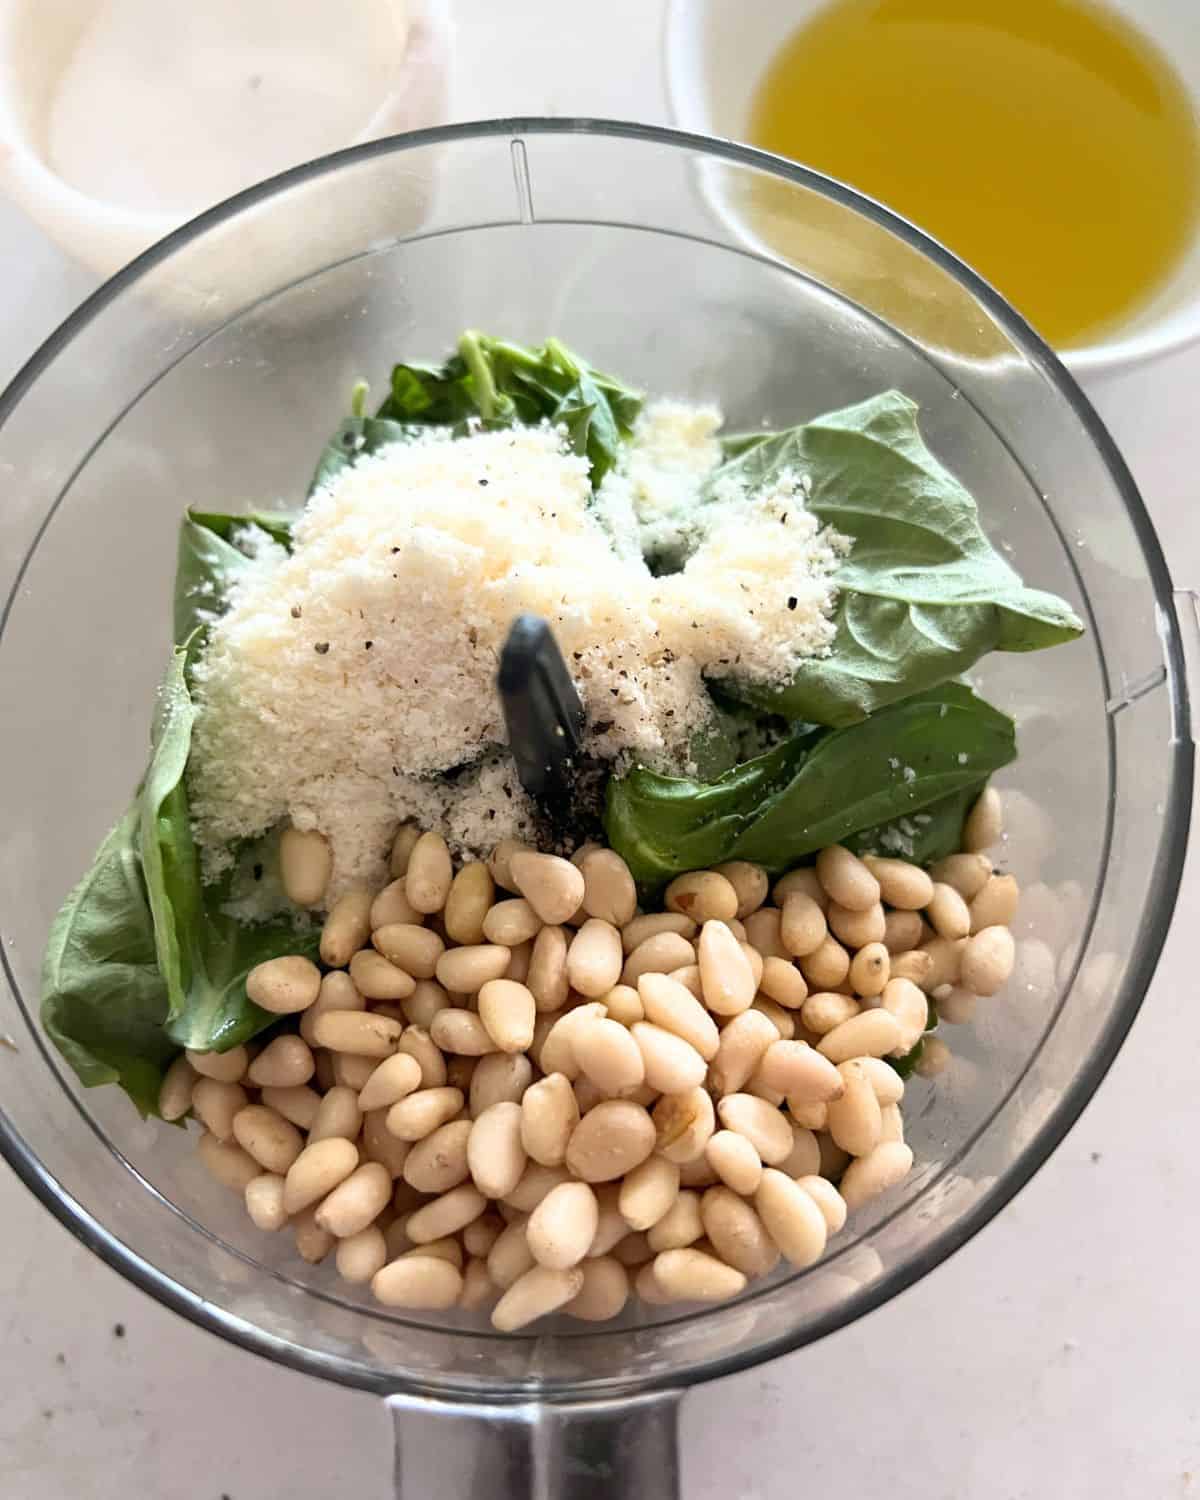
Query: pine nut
[(392, 905), (763, 1126), (499, 1076), (669, 1005), (753, 957), (587, 1095), (442, 1160), (446, 1215), (901, 884), (826, 966), (870, 970), (873, 1174), (759, 1090), (337, 992), (552, 885), (563, 1225), (510, 1257), (175, 1091), (499, 862), (464, 971), (996, 903), (855, 1121), (916, 965), (323, 1077), (459, 1071), (967, 873), (318, 1169), (360, 1032), (846, 878), (377, 979), (286, 1062), (610, 1226), (549, 1115), (947, 912), (418, 1282), (750, 884), (414, 949), (684, 1124), (215, 1104), (417, 1116), (800, 880), (608, 1055), (737, 1233), (271, 1140), (360, 1255), (462, 1032), (518, 964), (886, 1082), (227, 1162), (902, 929), (985, 822), (536, 1181), (855, 929), (305, 865), (792, 1218), (507, 1012), (822, 1011), (604, 1292), (680, 1226), (495, 1156), (447, 1248), (671, 1065), (828, 1200), (764, 932), (702, 895), (874, 1033), (418, 1043), (833, 1160), (725, 974), (783, 982), (547, 976), (609, 892), (557, 1054), (907, 1003), (394, 1079), (692, 1276), (402, 847), (624, 1004), (264, 1202), (284, 985), (743, 1043), (688, 976), (471, 895), (805, 1155), (633, 1250), (956, 1006), (534, 1295), (510, 923), (891, 1123), (800, 1072), (223, 1067), (429, 874), (639, 930), (935, 1056), (659, 955), (811, 1116), (478, 1289), (357, 1202), (736, 1162), (379, 1144), (594, 959), (347, 927), (313, 1243), (647, 1289), (610, 1140), (988, 959), (351, 1071), (648, 1191), (481, 1234)]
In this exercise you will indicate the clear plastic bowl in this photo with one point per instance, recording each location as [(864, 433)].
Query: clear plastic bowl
[(209, 373)]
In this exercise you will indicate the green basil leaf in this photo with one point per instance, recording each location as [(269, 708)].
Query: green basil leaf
[(923, 836), (817, 788), (922, 594), (104, 1001), (355, 437), (208, 560)]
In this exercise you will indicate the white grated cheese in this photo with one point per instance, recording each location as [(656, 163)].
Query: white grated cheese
[(345, 675)]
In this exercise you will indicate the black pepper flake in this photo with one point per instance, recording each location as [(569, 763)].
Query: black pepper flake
[(118, 1330), (395, 770), (783, 519), (394, 551), (367, 645), (508, 792), (258, 872), (322, 648), (792, 601), (613, 691), (295, 611), (483, 482)]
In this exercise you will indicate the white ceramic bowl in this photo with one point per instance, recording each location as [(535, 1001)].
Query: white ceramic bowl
[(37, 39), (718, 50)]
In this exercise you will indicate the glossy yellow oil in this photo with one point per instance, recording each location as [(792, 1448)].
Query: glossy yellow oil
[(1047, 142)]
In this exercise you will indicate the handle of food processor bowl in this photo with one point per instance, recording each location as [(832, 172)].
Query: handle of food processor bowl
[(593, 1450)]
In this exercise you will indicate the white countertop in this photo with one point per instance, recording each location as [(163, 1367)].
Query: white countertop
[(1052, 1357)]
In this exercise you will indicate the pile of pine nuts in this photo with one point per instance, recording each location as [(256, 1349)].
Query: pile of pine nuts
[(510, 1089)]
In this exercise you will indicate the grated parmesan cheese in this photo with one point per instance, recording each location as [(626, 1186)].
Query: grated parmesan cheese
[(346, 675)]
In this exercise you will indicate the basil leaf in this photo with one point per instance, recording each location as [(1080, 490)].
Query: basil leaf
[(817, 788), (208, 560), (103, 999), (923, 594), (923, 836)]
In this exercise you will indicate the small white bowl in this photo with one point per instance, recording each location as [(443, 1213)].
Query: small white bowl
[(718, 50), (37, 40)]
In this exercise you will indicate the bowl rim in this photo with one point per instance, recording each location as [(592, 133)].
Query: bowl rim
[(92, 1233), (683, 47)]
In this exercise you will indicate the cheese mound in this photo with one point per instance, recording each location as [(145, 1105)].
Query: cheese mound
[(346, 674)]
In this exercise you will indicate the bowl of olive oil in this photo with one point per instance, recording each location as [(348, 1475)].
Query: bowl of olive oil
[(1054, 145)]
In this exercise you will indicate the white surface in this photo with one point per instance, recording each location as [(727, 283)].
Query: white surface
[(1050, 1358)]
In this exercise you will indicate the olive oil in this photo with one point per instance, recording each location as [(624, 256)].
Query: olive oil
[(1046, 142)]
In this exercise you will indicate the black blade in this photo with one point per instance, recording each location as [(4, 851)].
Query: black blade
[(543, 714)]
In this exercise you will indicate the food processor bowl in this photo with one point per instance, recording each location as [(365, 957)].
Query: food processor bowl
[(178, 384)]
